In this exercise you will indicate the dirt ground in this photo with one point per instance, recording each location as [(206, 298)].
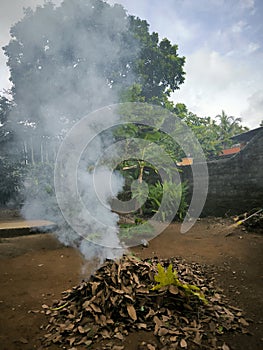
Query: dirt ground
[(35, 269)]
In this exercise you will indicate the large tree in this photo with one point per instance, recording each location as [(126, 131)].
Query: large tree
[(158, 68), (67, 60)]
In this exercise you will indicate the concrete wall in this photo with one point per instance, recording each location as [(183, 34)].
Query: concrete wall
[(236, 183)]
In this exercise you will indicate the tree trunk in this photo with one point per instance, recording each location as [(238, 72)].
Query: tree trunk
[(25, 153), (41, 152), (32, 152)]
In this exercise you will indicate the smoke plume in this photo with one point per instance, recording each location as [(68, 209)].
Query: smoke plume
[(69, 60)]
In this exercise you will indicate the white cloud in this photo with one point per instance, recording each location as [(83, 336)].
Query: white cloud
[(247, 4), (252, 47), (255, 107), (239, 26), (215, 82)]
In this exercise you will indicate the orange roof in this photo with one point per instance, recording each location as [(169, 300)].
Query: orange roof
[(232, 150)]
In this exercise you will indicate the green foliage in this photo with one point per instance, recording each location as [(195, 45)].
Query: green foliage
[(131, 230), (169, 277), (212, 134), (155, 163), (39, 192), (132, 94), (228, 126), (159, 69), (150, 199), (205, 130), (175, 196), (11, 184), (39, 182)]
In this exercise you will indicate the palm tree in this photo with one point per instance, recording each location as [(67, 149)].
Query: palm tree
[(228, 126)]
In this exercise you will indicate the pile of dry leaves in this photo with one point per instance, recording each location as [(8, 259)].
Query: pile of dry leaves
[(119, 299), (255, 223)]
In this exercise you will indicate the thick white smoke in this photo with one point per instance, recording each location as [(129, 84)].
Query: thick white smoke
[(71, 57)]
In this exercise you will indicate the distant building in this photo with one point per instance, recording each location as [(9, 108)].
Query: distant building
[(185, 161), (240, 141), (245, 137)]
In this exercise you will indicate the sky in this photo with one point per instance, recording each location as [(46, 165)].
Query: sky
[(222, 41)]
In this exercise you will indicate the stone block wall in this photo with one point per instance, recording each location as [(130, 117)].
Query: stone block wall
[(236, 183)]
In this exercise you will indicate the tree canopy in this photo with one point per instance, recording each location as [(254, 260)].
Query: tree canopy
[(67, 60), (159, 69)]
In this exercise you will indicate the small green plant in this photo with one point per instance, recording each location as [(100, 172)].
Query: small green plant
[(169, 277), (131, 230), (175, 197)]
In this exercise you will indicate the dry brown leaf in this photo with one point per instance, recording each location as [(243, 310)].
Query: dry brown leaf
[(132, 312), (69, 327), (71, 340), (185, 319), (105, 334), (95, 308), (102, 320), (174, 331), (23, 340), (136, 279), (157, 321), (117, 291), (110, 321), (225, 347), (81, 329), (173, 339), (127, 290), (142, 325), (142, 290), (127, 296), (183, 344), (243, 322), (197, 338), (94, 287), (173, 289), (151, 347), (119, 336), (150, 313), (86, 304), (162, 332), (113, 299), (88, 342)]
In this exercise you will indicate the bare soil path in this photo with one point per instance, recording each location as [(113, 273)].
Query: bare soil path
[(35, 269)]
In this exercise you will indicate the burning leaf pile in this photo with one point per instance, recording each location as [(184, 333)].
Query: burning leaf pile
[(122, 297)]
